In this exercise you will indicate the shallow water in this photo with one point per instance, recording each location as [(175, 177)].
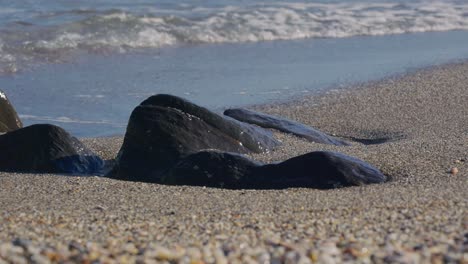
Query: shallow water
[(84, 65)]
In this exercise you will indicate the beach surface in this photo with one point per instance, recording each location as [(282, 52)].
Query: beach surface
[(420, 120)]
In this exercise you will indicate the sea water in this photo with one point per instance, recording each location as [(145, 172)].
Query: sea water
[(84, 65)]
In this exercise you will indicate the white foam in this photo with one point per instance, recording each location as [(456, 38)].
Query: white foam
[(230, 24), (90, 96), (3, 96), (271, 22), (64, 119), (7, 61)]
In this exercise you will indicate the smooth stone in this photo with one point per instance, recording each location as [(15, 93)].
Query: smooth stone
[(164, 129), (157, 137), (320, 169), (253, 138), (9, 119), (284, 125), (46, 148), (213, 169)]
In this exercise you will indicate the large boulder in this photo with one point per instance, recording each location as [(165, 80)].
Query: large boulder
[(9, 119), (320, 169), (165, 128), (253, 138), (46, 149), (284, 125)]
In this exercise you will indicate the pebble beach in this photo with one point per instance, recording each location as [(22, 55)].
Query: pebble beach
[(418, 126)]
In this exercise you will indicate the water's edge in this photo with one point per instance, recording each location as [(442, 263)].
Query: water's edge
[(95, 95)]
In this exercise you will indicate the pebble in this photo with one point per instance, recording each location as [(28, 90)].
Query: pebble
[(454, 171)]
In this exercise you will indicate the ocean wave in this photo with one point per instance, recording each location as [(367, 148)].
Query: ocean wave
[(64, 119), (120, 31)]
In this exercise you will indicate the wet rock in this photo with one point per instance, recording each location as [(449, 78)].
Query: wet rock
[(172, 141), (9, 119), (213, 169), (46, 149), (320, 169), (253, 138), (284, 125), (164, 129)]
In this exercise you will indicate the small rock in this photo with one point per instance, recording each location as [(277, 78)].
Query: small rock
[(46, 149), (454, 170)]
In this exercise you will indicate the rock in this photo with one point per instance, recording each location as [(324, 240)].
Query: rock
[(284, 125), (46, 149), (213, 169), (172, 141), (9, 119), (164, 129), (320, 169), (253, 138), (454, 170)]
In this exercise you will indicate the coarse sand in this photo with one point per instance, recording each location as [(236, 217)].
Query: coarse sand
[(420, 121)]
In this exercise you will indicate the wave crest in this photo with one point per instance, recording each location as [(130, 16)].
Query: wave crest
[(117, 30)]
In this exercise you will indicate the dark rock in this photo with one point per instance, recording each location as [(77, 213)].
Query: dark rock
[(253, 138), (213, 169), (374, 137), (9, 119), (321, 169), (170, 140), (164, 129), (46, 149), (157, 137), (284, 125)]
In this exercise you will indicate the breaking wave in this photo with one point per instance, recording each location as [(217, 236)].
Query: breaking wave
[(119, 31)]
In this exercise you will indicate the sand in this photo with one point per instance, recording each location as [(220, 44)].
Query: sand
[(420, 216)]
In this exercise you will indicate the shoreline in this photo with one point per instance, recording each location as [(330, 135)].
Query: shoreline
[(420, 215), (215, 76)]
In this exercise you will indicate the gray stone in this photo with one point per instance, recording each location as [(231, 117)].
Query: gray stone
[(284, 125)]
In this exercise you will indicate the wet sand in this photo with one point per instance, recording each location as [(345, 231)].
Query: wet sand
[(419, 216)]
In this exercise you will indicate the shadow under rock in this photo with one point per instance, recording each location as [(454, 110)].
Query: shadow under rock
[(377, 137)]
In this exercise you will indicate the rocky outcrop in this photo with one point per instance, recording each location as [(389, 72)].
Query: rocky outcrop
[(164, 128), (9, 119), (46, 149), (284, 125), (320, 169)]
